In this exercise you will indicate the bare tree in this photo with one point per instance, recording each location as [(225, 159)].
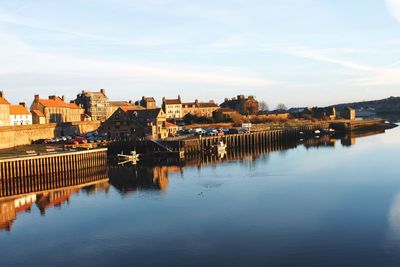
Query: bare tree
[(281, 107), (263, 106)]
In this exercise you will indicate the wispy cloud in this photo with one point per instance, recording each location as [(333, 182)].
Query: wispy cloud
[(394, 8)]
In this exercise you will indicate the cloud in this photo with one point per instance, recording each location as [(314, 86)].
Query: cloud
[(394, 8)]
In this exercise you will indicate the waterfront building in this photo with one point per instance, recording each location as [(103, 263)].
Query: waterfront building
[(38, 117), (172, 108), (348, 113), (199, 109), (241, 104), (324, 113), (140, 123), (56, 110), (147, 102), (19, 115), (126, 105), (95, 104)]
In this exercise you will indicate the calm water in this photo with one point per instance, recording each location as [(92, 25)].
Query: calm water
[(337, 204)]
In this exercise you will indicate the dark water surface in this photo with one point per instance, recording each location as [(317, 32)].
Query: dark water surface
[(337, 204)]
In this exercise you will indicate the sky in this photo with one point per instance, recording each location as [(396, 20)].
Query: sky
[(297, 52)]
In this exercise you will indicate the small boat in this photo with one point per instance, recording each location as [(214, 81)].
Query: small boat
[(133, 158)]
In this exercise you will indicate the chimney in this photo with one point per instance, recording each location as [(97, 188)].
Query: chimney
[(22, 104), (211, 101), (163, 99), (130, 102), (52, 97), (226, 99), (36, 98), (179, 97), (1, 94), (63, 98), (103, 91), (196, 101)]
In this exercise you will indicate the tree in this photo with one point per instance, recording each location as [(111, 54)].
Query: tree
[(263, 106), (281, 107), (251, 107)]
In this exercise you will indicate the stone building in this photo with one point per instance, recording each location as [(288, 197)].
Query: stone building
[(200, 109), (172, 108), (38, 117), (142, 123), (147, 102), (241, 104), (56, 110), (4, 110), (95, 104), (348, 113), (324, 113), (114, 105), (223, 114), (19, 115)]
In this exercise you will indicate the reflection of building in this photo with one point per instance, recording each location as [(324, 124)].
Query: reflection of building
[(9, 210), (134, 178)]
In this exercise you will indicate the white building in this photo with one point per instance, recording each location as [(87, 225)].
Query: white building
[(19, 115)]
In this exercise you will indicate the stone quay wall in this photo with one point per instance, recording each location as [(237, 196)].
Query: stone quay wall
[(11, 136)]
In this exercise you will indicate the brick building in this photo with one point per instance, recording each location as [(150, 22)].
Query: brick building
[(95, 104)]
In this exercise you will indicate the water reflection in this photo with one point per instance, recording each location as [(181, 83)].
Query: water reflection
[(56, 190)]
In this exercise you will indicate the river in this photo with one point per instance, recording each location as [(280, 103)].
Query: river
[(324, 203)]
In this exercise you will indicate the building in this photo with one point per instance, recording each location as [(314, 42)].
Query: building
[(4, 110), (147, 102), (38, 117), (199, 109), (348, 113), (56, 110), (19, 115), (324, 113), (172, 108), (142, 123), (114, 105), (241, 104), (95, 104)]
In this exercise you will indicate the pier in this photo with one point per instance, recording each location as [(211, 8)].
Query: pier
[(38, 173)]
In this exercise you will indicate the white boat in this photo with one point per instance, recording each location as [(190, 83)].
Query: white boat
[(133, 158)]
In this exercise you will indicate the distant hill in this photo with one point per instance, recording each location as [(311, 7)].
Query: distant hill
[(387, 105)]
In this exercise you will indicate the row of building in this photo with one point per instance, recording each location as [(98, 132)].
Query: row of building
[(96, 106)]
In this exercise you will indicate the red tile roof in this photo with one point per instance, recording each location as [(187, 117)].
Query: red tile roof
[(3, 101), (38, 113), (172, 101), (168, 124), (18, 110), (128, 108)]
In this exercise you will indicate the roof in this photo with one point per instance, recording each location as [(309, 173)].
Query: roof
[(149, 99), (119, 103), (3, 101), (207, 105), (37, 113), (172, 101), (145, 114), (131, 107), (57, 102), (18, 110), (168, 124)]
